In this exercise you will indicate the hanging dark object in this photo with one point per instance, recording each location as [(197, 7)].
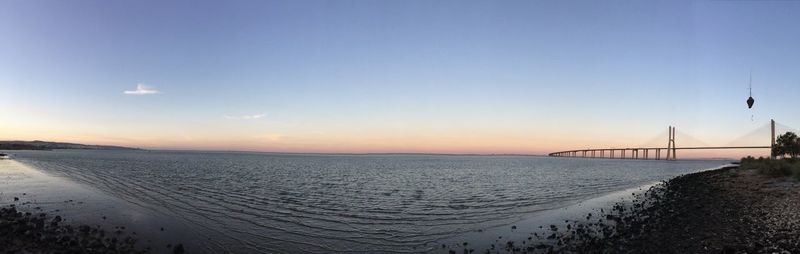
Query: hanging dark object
[(750, 100)]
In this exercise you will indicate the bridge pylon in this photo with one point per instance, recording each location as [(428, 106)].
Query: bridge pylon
[(772, 139), (671, 150)]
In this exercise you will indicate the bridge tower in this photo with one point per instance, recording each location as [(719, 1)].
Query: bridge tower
[(674, 150), (772, 140), (671, 155)]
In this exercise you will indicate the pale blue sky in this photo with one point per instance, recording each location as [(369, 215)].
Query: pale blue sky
[(326, 73)]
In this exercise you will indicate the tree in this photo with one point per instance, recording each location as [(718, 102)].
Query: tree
[(788, 143)]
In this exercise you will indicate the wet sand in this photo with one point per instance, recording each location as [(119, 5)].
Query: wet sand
[(725, 210), (44, 213)]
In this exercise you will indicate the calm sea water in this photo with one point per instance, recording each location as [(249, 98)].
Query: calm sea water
[(257, 202)]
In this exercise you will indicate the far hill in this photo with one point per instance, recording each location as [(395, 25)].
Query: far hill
[(45, 145)]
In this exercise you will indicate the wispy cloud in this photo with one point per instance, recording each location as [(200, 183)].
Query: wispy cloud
[(142, 89), (246, 117)]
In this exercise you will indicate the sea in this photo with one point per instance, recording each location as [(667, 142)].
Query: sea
[(248, 202)]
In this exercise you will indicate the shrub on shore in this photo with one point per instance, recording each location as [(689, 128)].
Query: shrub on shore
[(773, 167), (787, 144)]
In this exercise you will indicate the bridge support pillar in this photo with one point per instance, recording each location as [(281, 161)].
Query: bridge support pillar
[(671, 144), (772, 140)]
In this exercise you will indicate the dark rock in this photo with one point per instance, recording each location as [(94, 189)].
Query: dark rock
[(178, 249)]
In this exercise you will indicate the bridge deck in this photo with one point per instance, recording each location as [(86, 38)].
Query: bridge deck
[(634, 152), (671, 149)]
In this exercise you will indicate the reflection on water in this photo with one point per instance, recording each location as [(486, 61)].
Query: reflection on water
[(246, 202), (34, 191)]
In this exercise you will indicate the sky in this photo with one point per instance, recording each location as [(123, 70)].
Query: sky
[(523, 77)]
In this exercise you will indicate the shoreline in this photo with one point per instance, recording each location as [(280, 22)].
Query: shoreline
[(534, 229), (42, 233), (728, 210), (543, 155), (41, 213), (722, 210)]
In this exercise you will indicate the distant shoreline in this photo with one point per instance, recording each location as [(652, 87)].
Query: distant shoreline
[(103, 147), (47, 145), (334, 153), (406, 154)]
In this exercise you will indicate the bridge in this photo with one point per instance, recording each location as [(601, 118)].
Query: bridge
[(655, 153)]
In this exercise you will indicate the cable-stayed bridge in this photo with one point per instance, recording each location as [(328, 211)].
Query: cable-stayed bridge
[(670, 151)]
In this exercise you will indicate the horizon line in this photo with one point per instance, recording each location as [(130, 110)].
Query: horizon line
[(322, 153)]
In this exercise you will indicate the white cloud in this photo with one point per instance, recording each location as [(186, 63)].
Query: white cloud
[(142, 89), (246, 117), (257, 116)]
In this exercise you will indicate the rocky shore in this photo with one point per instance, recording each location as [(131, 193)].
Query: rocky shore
[(41, 213), (720, 211), (727, 210), (26, 232)]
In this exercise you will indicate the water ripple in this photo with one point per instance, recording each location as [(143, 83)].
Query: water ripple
[(282, 203)]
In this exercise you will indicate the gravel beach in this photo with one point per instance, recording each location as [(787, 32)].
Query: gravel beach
[(42, 213), (726, 210), (25, 232), (719, 211)]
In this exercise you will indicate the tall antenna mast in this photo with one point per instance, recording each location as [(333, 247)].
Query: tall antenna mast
[(751, 84)]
